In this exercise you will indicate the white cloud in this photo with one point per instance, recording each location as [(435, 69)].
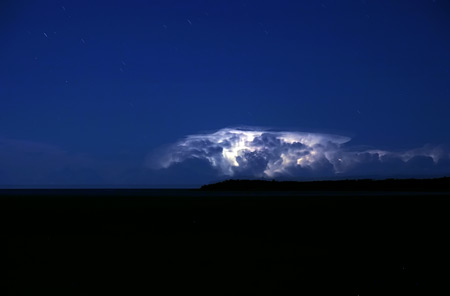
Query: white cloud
[(263, 153)]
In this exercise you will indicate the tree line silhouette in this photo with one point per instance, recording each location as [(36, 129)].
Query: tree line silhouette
[(407, 185)]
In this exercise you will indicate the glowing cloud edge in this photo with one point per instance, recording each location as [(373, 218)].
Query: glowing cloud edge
[(263, 153)]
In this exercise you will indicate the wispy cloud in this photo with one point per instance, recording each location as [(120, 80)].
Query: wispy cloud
[(24, 162)]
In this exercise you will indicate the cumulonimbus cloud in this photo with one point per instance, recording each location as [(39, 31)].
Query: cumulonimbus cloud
[(268, 154)]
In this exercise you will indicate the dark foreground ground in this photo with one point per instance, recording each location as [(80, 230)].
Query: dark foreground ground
[(134, 242)]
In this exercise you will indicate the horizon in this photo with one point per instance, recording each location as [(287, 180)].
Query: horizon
[(199, 186)]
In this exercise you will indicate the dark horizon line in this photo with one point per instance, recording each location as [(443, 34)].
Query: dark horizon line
[(267, 184)]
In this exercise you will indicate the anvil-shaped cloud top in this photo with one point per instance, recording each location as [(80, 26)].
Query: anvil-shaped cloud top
[(263, 153)]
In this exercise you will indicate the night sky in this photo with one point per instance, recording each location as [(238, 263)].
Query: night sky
[(182, 93)]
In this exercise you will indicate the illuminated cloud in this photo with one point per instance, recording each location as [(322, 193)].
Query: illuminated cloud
[(266, 154)]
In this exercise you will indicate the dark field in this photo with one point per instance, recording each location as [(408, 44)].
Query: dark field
[(93, 242)]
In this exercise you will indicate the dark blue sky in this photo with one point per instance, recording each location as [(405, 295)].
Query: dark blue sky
[(110, 81)]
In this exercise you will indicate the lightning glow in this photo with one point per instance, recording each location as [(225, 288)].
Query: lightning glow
[(262, 153), (237, 150)]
